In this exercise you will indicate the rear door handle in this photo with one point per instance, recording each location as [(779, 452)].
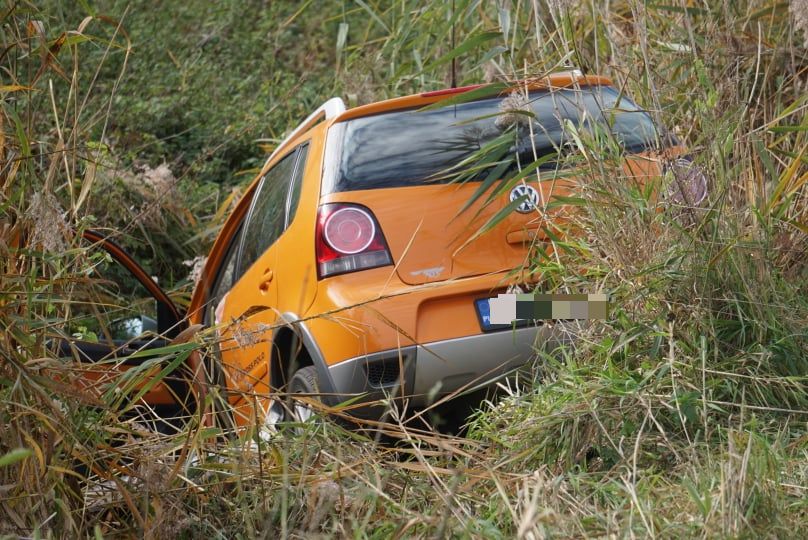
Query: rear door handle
[(526, 236), (266, 279)]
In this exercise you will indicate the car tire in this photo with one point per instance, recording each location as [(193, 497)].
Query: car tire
[(304, 381)]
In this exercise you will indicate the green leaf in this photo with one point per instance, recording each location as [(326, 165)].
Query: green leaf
[(174, 364), (75, 40), (489, 153), (493, 52), (764, 156), (495, 174), (526, 170), (495, 220), (703, 504), (25, 146), (467, 45), (167, 350), (488, 90), (788, 129), (561, 200), (14, 456), (373, 15)]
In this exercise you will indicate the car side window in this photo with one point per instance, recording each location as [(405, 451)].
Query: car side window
[(266, 219), (113, 307), (297, 182), (268, 216), (118, 302), (227, 271)]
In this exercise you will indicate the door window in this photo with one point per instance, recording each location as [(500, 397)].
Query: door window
[(271, 210), (117, 309), (266, 220), (111, 306), (224, 277)]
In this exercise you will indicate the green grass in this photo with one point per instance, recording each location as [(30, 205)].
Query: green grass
[(683, 415)]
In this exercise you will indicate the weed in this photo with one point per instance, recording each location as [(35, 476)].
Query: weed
[(683, 415)]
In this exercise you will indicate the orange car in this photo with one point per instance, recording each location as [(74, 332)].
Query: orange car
[(354, 266)]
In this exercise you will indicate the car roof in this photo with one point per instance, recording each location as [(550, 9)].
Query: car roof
[(555, 80)]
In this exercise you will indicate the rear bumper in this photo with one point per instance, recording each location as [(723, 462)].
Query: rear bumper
[(423, 373)]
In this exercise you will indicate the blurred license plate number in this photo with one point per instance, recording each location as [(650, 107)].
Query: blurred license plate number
[(483, 308)]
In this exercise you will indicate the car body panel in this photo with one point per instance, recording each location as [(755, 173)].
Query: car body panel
[(431, 241), (358, 314), (248, 314)]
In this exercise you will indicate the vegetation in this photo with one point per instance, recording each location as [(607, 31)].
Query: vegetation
[(685, 414)]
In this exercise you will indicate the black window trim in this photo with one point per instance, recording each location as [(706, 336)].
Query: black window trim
[(304, 146)]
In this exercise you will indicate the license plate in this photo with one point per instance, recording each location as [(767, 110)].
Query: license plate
[(484, 316)]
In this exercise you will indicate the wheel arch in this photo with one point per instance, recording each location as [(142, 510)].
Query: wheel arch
[(295, 337)]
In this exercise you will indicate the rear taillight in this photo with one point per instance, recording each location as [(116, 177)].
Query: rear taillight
[(348, 239)]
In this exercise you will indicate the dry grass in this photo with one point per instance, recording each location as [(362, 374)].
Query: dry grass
[(684, 415)]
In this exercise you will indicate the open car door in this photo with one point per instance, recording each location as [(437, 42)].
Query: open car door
[(121, 337)]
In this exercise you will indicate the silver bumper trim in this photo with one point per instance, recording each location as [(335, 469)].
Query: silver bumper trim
[(439, 368), (463, 363)]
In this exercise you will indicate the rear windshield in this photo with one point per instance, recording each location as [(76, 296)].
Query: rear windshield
[(412, 147)]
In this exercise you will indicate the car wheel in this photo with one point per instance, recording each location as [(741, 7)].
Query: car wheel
[(304, 381)]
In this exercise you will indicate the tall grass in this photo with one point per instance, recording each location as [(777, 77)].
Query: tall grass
[(683, 415)]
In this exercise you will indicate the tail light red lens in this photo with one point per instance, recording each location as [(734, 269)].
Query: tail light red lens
[(349, 230), (349, 239)]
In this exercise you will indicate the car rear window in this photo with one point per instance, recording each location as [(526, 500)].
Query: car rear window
[(413, 147)]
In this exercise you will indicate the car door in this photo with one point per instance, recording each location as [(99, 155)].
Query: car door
[(116, 317), (246, 313)]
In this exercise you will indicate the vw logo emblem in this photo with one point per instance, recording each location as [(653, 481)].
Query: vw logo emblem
[(528, 204)]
